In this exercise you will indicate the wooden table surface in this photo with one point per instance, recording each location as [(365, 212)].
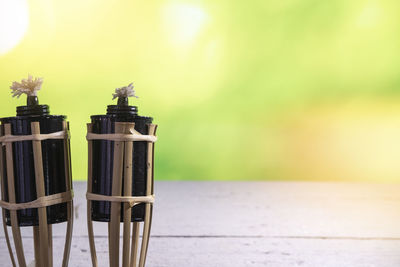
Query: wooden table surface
[(253, 224)]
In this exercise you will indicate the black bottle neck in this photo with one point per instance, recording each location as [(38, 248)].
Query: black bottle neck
[(121, 110), (33, 110)]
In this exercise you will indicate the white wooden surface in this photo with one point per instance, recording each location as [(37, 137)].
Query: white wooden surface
[(254, 224)]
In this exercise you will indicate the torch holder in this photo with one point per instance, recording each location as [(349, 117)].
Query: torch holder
[(121, 197), (36, 197)]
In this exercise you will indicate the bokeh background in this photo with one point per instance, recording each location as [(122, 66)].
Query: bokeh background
[(241, 90)]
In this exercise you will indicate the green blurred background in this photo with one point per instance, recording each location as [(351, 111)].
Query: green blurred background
[(277, 90)]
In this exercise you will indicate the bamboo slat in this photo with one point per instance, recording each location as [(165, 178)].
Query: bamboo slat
[(40, 191), (36, 244), (89, 203), (3, 188), (70, 205), (149, 190), (128, 152), (135, 242), (50, 243), (116, 191), (11, 197)]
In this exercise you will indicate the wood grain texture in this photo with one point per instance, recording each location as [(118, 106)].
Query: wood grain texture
[(242, 252), (254, 224)]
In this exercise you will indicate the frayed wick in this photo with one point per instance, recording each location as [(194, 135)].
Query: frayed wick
[(28, 86), (126, 91)]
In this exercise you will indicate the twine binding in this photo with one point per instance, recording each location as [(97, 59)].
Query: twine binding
[(40, 201), (132, 201), (133, 136), (9, 138)]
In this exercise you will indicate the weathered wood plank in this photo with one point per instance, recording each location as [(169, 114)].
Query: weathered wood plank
[(276, 209), (256, 224), (240, 252)]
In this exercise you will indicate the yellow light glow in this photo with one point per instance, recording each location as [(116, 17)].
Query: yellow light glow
[(370, 15), (14, 20), (183, 22)]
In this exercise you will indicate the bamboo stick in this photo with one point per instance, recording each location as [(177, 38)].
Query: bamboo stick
[(50, 243), (3, 188), (149, 190), (128, 151), (11, 197), (40, 191), (8, 239), (135, 241), (116, 191), (70, 205), (89, 203), (36, 246)]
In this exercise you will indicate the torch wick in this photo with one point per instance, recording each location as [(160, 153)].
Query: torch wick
[(123, 101), (32, 100)]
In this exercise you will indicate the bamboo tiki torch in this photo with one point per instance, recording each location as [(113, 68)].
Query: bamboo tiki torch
[(35, 167), (120, 179)]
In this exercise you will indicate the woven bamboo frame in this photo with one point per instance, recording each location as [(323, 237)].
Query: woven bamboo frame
[(42, 234), (123, 151)]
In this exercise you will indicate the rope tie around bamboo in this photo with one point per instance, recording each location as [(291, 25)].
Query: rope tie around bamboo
[(132, 201), (40, 202), (133, 136), (9, 138)]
